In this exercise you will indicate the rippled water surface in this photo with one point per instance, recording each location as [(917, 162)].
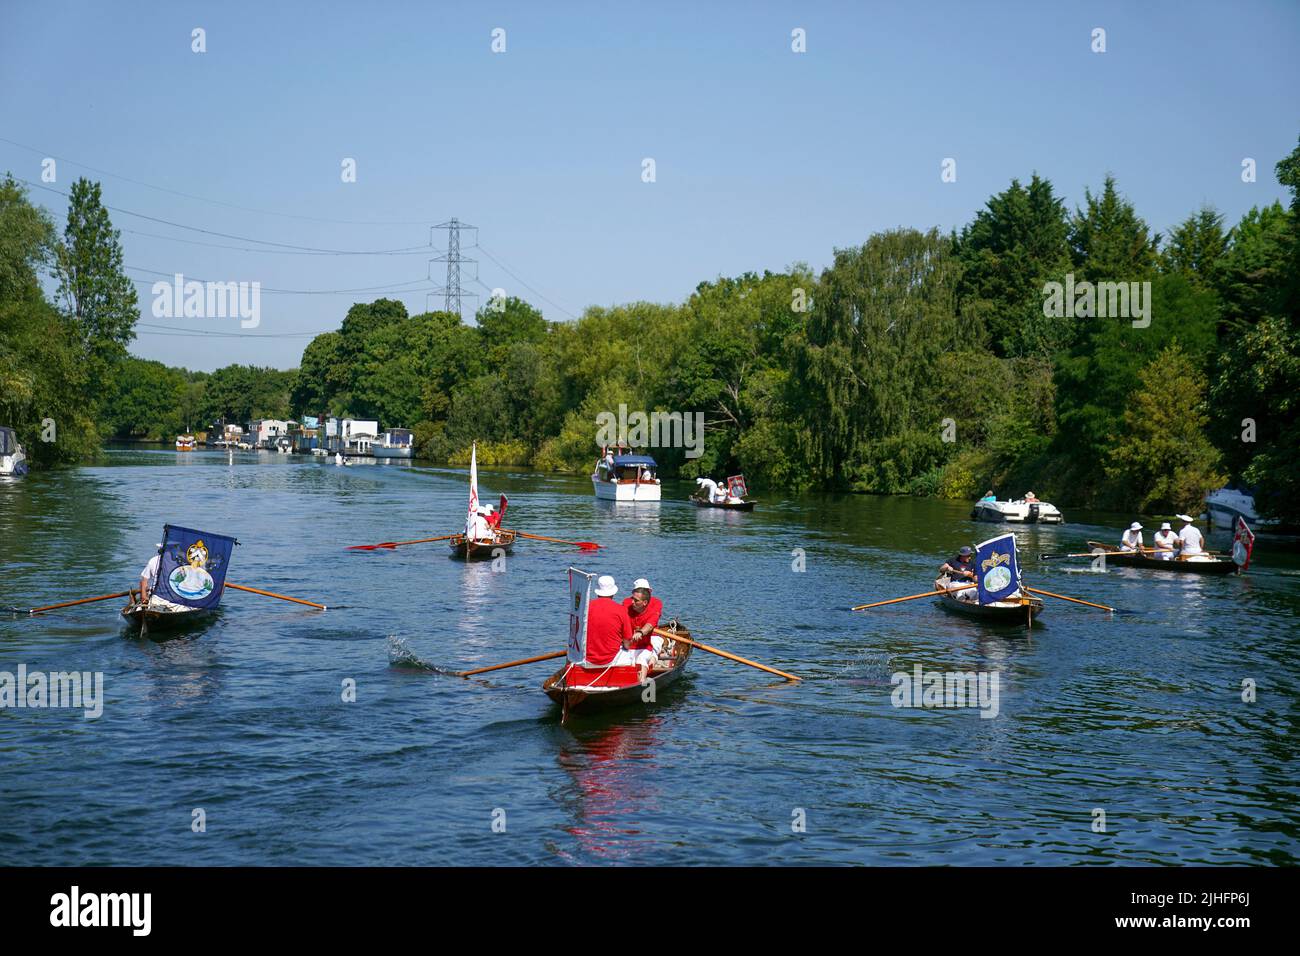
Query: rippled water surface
[(1139, 715)]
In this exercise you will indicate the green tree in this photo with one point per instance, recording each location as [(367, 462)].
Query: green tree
[(1163, 458), (1109, 240), (1196, 246)]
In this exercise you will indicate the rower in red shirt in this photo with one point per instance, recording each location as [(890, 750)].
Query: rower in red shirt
[(609, 631), (644, 611)]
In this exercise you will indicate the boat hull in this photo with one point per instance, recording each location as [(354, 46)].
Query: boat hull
[(587, 690), (724, 505), (1022, 612), (1131, 559), (381, 452), (154, 623), (627, 490), (504, 542)]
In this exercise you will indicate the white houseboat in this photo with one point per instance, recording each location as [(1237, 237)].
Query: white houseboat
[(394, 443), (626, 477), (1026, 510)]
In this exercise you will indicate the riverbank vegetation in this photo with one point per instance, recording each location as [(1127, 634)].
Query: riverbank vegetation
[(917, 363)]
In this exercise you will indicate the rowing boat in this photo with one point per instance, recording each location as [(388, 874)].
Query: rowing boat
[(727, 505), (158, 618), (481, 550), (1016, 611), (1135, 559), (584, 688)]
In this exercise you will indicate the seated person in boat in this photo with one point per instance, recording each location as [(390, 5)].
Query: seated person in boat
[(1029, 498), (609, 632), (1190, 542), (1166, 542), (148, 574), (481, 530), (644, 611), (989, 496), (956, 572), (492, 518), (1132, 539)]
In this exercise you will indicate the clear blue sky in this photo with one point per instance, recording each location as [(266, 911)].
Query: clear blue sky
[(764, 157)]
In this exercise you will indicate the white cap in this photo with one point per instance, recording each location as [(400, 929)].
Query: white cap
[(158, 545), (605, 586), (487, 508), (1184, 518), (1135, 527), (1165, 527), (640, 583)]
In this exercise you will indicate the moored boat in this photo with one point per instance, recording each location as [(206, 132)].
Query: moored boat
[(1021, 610), (481, 549), (583, 688), (1201, 564), (394, 443), (13, 460), (186, 442)]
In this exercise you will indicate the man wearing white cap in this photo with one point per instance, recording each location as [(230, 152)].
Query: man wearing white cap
[(1165, 542), (1190, 542), (1132, 540), (609, 631), (149, 573), (644, 611)]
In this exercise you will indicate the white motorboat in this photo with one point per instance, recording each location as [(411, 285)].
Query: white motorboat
[(1228, 504), (1027, 510), (626, 478), (13, 461)]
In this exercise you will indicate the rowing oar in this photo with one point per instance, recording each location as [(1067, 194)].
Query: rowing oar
[(51, 607), (497, 667), (282, 597), (911, 597), (584, 545), (1062, 597), (396, 544), (669, 635), (1104, 554)]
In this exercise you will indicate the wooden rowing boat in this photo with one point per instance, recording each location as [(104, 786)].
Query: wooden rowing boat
[(153, 620), (1135, 559), (502, 541), (582, 689), (1016, 611), (726, 505)]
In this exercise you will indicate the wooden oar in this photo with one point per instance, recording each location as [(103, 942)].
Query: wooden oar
[(584, 545), (396, 544), (911, 597), (669, 635), (51, 607), (282, 597), (1062, 597), (497, 667)]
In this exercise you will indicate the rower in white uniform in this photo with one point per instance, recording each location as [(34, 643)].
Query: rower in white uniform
[(1166, 542), (1132, 540), (1190, 542)]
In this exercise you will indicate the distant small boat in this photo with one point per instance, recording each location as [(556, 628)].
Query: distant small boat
[(394, 443), (13, 460), (1021, 511), (626, 478), (186, 442), (481, 549), (725, 505)]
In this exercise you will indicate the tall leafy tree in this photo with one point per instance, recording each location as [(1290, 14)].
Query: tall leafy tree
[(1110, 242), (1196, 246)]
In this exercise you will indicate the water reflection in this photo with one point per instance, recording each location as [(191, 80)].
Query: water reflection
[(615, 774)]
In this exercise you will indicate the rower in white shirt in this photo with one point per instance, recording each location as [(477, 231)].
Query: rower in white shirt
[(1190, 542), (1132, 540), (1166, 542)]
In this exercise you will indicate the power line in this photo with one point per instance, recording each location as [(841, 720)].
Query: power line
[(216, 202), (525, 284), (413, 251), (226, 235), (391, 286)]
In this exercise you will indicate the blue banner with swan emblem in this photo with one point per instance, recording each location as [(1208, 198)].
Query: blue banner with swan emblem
[(997, 569), (192, 570)]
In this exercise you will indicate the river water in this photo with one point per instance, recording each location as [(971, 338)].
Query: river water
[(1117, 739)]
